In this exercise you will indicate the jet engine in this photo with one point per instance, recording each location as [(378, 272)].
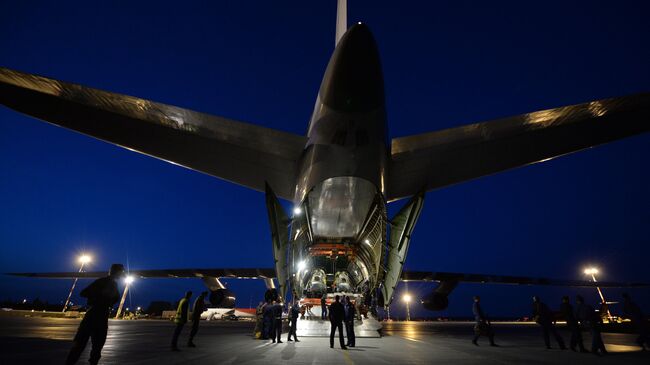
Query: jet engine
[(317, 285), (435, 301), (439, 299), (222, 298)]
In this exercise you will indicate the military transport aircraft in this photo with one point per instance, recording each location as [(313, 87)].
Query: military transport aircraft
[(340, 176)]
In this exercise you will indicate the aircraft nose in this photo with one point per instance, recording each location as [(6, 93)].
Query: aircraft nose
[(353, 81)]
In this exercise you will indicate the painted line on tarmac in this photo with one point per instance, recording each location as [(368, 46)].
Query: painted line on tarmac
[(412, 339), (347, 358), (263, 345)]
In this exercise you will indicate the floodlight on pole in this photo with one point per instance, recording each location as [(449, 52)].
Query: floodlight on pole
[(83, 260), (407, 299), (297, 211), (127, 282), (592, 271)]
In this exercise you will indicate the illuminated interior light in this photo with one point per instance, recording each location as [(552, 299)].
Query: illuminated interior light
[(302, 265)]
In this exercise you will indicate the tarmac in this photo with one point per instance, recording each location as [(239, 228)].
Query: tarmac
[(32, 340)]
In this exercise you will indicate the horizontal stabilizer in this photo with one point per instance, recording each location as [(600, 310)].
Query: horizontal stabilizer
[(437, 159), (238, 152), (512, 280)]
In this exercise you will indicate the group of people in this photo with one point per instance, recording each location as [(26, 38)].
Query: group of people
[(102, 295), (341, 312), (181, 318), (269, 321), (584, 316)]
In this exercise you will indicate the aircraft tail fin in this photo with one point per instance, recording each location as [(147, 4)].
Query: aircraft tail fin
[(341, 19)]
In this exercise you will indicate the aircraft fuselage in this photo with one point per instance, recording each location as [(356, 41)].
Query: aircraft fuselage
[(338, 233)]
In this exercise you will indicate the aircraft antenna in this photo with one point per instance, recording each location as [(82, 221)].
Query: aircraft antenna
[(341, 19)]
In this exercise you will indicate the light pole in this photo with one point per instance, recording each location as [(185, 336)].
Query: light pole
[(407, 299), (83, 260), (127, 281), (592, 271)]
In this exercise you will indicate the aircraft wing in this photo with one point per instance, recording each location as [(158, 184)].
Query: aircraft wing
[(450, 277), (165, 273), (437, 159), (269, 273), (239, 152)]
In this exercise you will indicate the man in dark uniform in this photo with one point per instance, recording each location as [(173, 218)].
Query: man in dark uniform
[(102, 295), (181, 318), (277, 322), (483, 325), (350, 315), (197, 310), (337, 313), (544, 318), (323, 307), (268, 320), (294, 312), (588, 317), (572, 324), (640, 323)]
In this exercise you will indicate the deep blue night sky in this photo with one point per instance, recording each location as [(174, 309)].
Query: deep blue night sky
[(446, 64)]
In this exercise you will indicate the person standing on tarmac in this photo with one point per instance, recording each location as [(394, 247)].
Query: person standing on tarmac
[(572, 324), (268, 320), (337, 314), (294, 312), (640, 323), (543, 316), (258, 332), (197, 310), (588, 316), (181, 318), (350, 315), (482, 326), (323, 307), (277, 322), (102, 295)]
